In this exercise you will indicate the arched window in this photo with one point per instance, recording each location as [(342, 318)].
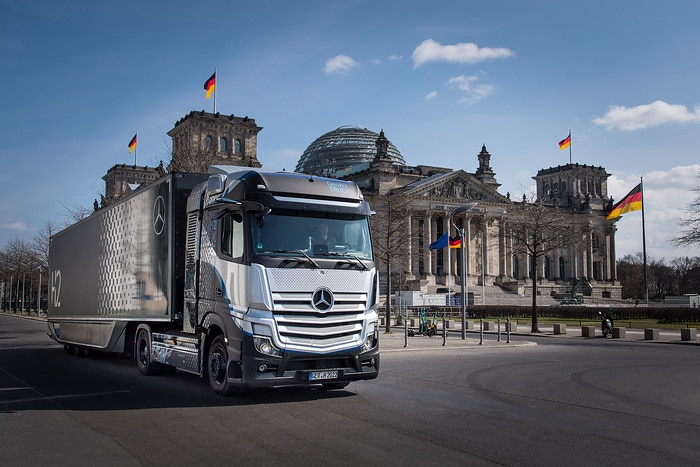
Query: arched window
[(208, 142), (223, 144), (237, 146)]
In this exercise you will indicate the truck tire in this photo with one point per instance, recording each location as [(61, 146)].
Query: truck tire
[(146, 366), (217, 362)]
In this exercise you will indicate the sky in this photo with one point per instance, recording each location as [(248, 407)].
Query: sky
[(78, 79)]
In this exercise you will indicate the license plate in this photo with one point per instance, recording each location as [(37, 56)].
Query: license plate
[(329, 374)]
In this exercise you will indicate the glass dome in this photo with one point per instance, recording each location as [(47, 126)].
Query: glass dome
[(343, 151)]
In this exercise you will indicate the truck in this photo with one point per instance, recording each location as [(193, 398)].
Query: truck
[(224, 275)]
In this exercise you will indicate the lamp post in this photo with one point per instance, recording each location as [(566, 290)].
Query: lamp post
[(463, 282)]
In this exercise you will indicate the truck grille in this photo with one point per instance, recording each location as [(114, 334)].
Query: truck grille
[(300, 324)]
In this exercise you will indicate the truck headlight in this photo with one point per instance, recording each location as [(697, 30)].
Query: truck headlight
[(264, 346), (370, 341)]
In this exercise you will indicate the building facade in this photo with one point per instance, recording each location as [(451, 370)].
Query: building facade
[(428, 197)]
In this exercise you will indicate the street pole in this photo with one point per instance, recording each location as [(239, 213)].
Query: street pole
[(38, 296), (462, 283), (464, 293)]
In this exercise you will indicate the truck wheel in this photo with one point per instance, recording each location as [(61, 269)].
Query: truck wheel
[(217, 362), (143, 354)]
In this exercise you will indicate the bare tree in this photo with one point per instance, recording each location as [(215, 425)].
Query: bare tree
[(192, 159), (538, 230), (630, 270), (691, 223), (75, 212), (42, 241), (389, 236), (17, 264)]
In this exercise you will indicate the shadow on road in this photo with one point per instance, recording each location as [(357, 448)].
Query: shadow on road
[(50, 379)]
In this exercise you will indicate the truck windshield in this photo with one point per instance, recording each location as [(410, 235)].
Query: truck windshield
[(302, 233)]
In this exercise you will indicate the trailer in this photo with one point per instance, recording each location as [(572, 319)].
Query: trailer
[(226, 276)]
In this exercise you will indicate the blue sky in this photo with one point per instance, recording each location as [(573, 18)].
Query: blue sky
[(441, 78)]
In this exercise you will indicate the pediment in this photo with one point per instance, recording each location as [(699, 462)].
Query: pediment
[(456, 186)]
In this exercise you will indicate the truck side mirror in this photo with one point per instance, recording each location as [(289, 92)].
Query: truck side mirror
[(216, 184)]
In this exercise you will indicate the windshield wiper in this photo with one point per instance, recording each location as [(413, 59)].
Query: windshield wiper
[(349, 255), (299, 252)]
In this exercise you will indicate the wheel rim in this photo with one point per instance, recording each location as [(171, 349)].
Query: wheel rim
[(217, 365), (143, 351)]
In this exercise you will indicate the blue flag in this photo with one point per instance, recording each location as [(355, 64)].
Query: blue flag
[(440, 244)]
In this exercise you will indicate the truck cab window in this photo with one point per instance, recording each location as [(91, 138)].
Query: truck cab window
[(232, 235)]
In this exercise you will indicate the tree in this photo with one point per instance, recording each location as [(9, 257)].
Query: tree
[(389, 238), (537, 231), (691, 223), (17, 264), (630, 271), (191, 159)]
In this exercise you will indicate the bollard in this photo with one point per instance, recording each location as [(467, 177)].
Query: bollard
[(499, 329), (481, 331), (405, 333), (508, 331), (444, 331)]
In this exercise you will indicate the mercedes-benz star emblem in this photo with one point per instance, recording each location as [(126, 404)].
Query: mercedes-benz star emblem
[(159, 215), (322, 299)]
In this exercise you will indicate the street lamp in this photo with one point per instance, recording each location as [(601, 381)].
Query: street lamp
[(463, 283)]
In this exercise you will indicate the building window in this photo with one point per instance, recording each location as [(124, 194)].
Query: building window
[(547, 272), (516, 268), (207, 142), (223, 144), (562, 268), (237, 146), (595, 241)]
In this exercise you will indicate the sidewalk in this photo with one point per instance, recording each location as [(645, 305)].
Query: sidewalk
[(396, 340)]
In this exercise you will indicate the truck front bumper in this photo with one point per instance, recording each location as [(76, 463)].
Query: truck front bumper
[(302, 369)]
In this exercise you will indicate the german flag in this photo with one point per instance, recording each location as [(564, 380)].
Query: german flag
[(210, 85), (631, 202), (132, 144), (565, 143), (455, 242)]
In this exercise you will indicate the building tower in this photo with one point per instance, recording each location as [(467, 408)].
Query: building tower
[(201, 139)]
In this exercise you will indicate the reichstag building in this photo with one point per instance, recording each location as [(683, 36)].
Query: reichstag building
[(431, 196)]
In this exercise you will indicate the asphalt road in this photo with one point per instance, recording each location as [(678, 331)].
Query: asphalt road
[(564, 401)]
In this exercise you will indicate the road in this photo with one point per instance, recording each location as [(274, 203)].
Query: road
[(564, 401)]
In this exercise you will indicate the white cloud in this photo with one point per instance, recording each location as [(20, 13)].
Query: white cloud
[(375, 61), (340, 64), (17, 226), (474, 92), (395, 58), (432, 51), (430, 96), (667, 193), (647, 115)]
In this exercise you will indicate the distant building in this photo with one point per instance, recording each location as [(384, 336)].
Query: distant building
[(217, 139), (433, 193), (123, 179)]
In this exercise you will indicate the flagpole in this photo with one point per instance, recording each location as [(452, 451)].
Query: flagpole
[(569, 146), (644, 246), (136, 149), (449, 262), (215, 86)]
